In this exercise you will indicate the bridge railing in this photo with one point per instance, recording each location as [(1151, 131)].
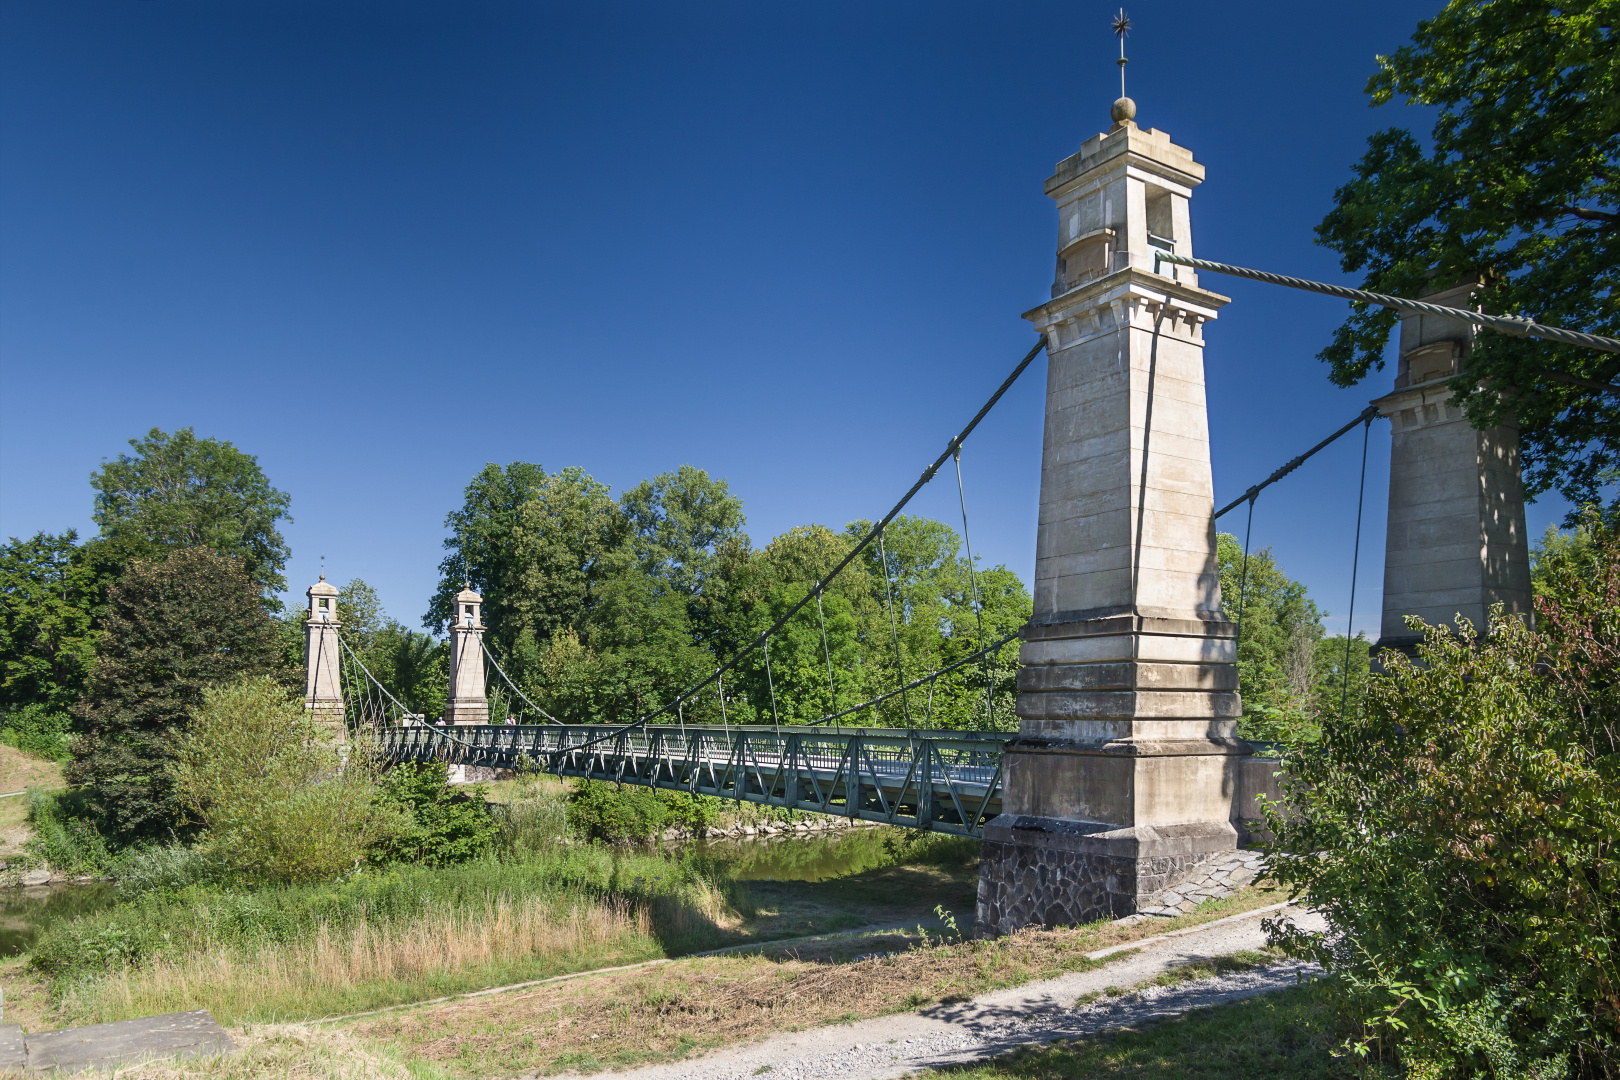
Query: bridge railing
[(945, 781)]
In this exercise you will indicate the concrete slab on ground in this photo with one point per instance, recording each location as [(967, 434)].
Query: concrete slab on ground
[(127, 1042)]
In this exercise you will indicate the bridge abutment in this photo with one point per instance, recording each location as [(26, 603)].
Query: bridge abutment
[(1127, 765)]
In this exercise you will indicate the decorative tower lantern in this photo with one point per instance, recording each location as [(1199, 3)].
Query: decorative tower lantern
[(323, 683), (1127, 763), (467, 703)]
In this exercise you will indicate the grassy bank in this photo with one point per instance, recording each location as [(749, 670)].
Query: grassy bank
[(672, 1011), (379, 938)]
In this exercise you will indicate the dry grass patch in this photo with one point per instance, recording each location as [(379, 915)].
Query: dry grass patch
[(345, 969), (20, 771), (690, 1005)]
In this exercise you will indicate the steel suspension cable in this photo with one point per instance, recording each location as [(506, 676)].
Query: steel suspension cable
[(992, 647), (1367, 416), (1506, 324), (832, 688), (1243, 582), (1355, 565), (978, 604), (927, 475), (515, 688), (894, 628)]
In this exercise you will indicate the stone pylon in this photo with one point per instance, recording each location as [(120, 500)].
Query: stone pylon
[(1127, 763), (468, 702), (323, 681), (1456, 543)]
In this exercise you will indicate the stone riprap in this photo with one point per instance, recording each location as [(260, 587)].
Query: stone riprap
[(1214, 879)]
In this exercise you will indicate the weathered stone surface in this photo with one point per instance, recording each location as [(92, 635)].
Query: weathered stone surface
[(468, 702), (1456, 541), (127, 1042), (323, 679), (13, 1054), (1126, 766), (36, 877)]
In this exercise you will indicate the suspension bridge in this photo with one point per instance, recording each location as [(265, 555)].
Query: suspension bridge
[(1126, 772)]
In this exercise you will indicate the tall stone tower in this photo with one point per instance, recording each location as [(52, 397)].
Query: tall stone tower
[(467, 703), (1456, 541), (1125, 768), (323, 682)]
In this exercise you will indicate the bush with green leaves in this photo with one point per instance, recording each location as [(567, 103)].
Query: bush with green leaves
[(442, 825), (39, 730), (1462, 836), (276, 798), (65, 835), (627, 812)]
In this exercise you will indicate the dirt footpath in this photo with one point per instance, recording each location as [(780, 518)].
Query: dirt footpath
[(999, 1022)]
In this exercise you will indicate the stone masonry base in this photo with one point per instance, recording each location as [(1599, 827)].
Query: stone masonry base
[(1047, 872)]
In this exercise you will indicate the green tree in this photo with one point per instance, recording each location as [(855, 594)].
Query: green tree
[(1520, 190), (1460, 835), (277, 800), (51, 591), (1281, 655), (178, 491), (173, 629)]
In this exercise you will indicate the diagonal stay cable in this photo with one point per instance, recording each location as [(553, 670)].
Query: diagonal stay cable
[(1367, 416), (508, 679), (372, 678), (968, 659), (1507, 324), (872, 534)]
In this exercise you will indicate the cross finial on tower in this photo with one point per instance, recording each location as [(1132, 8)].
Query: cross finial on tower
[(1124, 109)]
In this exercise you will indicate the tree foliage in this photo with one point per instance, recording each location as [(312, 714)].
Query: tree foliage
[(604, 609), (1461, 838), (1520, 190), (52, 588), (276, 799), (173, 629), (178, 491)]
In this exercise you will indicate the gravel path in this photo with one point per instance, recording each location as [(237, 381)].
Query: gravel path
[(996, 1023)]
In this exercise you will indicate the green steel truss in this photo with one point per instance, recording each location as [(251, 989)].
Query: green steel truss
[(944, 781)]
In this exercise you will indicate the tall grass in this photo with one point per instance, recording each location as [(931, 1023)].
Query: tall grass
[(285, 952), (371, 963)]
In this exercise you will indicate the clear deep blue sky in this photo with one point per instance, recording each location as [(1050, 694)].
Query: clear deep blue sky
[(381, 244)]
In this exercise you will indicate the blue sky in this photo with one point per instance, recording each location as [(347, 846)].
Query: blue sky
[(381, 244)]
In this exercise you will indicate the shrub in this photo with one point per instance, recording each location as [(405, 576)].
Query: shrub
[(1460, 836), (603, 811), (278, 801), (65, 834), (442, 826), (39, 730)]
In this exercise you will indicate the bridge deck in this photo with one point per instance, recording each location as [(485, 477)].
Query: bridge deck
[(944, 781)]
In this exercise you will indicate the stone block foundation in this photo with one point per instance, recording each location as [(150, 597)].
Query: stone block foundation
[(1050, 872)]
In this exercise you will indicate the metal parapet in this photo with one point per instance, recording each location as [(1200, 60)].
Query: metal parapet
[(942, 781)]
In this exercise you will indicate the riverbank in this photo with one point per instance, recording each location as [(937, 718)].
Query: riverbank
[(688, 1011)]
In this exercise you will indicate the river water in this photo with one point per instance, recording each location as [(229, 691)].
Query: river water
[(25, 913)]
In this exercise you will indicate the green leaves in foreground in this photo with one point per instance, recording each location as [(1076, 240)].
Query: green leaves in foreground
[(1462, 836), (278, 801)]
